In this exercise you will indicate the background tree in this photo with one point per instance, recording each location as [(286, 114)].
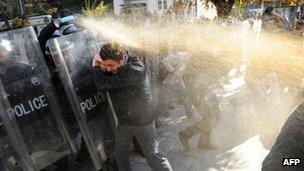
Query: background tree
[(12, 11), (31, 8), (94, 8), (223, 7), (76, 5), (9, 8), (35, 7)]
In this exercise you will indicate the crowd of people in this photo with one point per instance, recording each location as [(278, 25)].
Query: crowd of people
[(186, 12), (126, 77)]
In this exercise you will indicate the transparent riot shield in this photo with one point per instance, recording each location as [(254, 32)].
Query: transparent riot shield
[(72, 55), (28, 105), (6, 152), (8, 157)]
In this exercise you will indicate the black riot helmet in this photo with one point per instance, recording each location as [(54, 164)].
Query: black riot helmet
[(69, 29), (66, 23)]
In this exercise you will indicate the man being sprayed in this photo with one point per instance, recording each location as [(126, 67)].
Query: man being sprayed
[(124, 77)]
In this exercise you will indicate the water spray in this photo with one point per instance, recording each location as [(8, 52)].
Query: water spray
[(214, 49)]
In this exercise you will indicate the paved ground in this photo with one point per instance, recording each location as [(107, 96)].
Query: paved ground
[(245, 131), (248, 155)]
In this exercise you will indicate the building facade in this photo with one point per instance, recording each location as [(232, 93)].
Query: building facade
[(189, 8), (153, 6)]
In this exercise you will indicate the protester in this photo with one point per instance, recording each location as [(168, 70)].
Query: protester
[(201, 85), (124, 77), (173, 89), (207, 105)]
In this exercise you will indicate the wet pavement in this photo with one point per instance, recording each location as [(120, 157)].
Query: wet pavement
[(239, 136), (247, 156)]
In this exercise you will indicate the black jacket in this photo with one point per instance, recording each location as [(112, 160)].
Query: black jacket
[(130, 92)]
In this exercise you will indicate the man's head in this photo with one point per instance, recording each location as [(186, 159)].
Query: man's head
[(111, 56)]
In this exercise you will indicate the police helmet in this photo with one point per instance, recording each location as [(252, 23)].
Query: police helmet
[(69, 29)]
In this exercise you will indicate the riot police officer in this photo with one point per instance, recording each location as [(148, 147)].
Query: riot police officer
[(62, 25)]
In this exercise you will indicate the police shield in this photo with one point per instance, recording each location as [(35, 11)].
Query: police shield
[(73, 55), (29, 109), (8, 157)]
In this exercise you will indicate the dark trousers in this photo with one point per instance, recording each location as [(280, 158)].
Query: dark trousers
[(146, 137)]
